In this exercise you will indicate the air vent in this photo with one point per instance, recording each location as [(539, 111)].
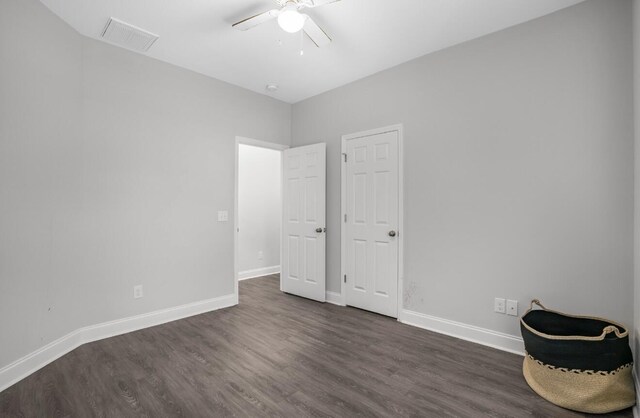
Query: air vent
[(128, 36)]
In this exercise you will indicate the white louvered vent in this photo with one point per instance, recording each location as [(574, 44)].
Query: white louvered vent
[(128, 36)]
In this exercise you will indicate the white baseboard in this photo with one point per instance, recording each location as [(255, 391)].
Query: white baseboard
[(484, 336), (334, 297), (30, 363), (252, 274), (490, 338)]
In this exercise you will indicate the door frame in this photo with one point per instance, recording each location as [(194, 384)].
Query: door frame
[(240, 140), (343, 209)]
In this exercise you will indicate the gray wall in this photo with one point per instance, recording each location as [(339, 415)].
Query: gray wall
[(518, 172), (40, 122), (518, 166), (112, 169), (636, 253)]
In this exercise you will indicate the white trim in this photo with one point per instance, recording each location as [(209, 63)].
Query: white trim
[(30, 363), (254, 143), (334, 298), (490, 338), (261, 272), (262, 144), (636, 408), (343, 209)]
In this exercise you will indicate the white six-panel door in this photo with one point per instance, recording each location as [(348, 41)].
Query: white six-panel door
[(372, 208), (303, 226)]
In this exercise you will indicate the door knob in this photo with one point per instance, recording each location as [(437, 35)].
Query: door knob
[(318, 230), (392, 233)]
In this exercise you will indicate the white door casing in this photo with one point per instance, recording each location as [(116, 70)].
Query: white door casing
[(372, 207), (255, 143), (304, 221)]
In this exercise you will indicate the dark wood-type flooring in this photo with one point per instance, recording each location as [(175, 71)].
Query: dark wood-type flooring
[(280, 355)]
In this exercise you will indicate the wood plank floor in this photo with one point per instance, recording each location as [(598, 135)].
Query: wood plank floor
[(280, 355)]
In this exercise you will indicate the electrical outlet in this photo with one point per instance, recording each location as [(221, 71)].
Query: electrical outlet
[(137, 291), (260, 255), (499, 305), (512, 307), (223, 216)]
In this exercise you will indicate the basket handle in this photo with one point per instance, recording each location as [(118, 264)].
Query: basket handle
[(611, 328), (536, 302)]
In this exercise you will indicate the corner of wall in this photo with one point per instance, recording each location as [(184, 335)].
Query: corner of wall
[(636, 408), (25, 366), (635, 342), (291, 106)]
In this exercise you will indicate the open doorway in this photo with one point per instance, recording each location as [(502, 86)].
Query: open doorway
[(258, 209), (302, 220)]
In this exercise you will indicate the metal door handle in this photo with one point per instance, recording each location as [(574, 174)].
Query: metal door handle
[(392, 233), (318, 230)]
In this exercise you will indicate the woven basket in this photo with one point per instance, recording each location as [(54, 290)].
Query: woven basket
[(577, 362)]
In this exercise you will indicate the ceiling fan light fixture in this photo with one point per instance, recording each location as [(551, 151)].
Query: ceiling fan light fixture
[(290, 20)]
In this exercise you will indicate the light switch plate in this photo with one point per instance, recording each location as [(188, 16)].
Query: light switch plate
[(223, 216)]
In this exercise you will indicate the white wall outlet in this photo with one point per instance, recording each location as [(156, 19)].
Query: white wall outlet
[(223, 216), (137, 291), (260, 255), (512, 307), (499, 305)]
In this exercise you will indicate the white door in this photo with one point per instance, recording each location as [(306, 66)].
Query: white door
[(372, 207), (303, 223)]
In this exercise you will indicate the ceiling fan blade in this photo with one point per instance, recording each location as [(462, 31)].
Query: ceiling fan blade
[(253, 21), (318, 3), (315, 32)]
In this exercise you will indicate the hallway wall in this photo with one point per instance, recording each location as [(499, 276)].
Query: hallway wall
[(259, 210)]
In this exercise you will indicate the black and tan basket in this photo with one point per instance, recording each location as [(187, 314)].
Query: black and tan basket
[(577, 362)]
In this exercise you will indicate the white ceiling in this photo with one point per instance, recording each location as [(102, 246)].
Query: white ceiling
[(368, 35)]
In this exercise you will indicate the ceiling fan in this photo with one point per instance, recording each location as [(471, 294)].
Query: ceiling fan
[(291, 20)]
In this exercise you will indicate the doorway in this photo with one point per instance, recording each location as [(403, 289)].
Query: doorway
[(258, 209), (372, 235), (301, 225)]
